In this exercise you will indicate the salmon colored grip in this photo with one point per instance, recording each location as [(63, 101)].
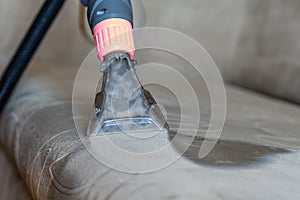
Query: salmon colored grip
[(113, 35)]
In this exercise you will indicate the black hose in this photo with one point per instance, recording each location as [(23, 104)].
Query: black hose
[(27, 48)]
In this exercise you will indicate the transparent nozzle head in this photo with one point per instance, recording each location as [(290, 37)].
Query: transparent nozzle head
[(123, 105)]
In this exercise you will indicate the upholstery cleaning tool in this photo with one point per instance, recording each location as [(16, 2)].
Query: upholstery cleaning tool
[(123, 105)]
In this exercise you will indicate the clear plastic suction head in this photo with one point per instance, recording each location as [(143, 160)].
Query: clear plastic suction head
[(123, 105)]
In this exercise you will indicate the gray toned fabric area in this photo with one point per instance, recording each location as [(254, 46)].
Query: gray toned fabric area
[(12, 186), (255, 43), (267, 58), (259, 146)]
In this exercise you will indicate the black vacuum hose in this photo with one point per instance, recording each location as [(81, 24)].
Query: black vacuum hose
[(27, 48)]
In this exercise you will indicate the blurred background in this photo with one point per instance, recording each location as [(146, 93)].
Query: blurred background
[(255, 43)]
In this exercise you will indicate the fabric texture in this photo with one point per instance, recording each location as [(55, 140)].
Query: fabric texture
[(257, 156), (267, 58), (12, 186)]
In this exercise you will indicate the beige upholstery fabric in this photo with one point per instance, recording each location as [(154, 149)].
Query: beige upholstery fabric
[(261, 39), (257, 157), (213, 23), (267, 58), (255, 43), (12, 186)]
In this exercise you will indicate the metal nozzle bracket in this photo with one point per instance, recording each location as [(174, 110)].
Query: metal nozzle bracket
[(123, 105)]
